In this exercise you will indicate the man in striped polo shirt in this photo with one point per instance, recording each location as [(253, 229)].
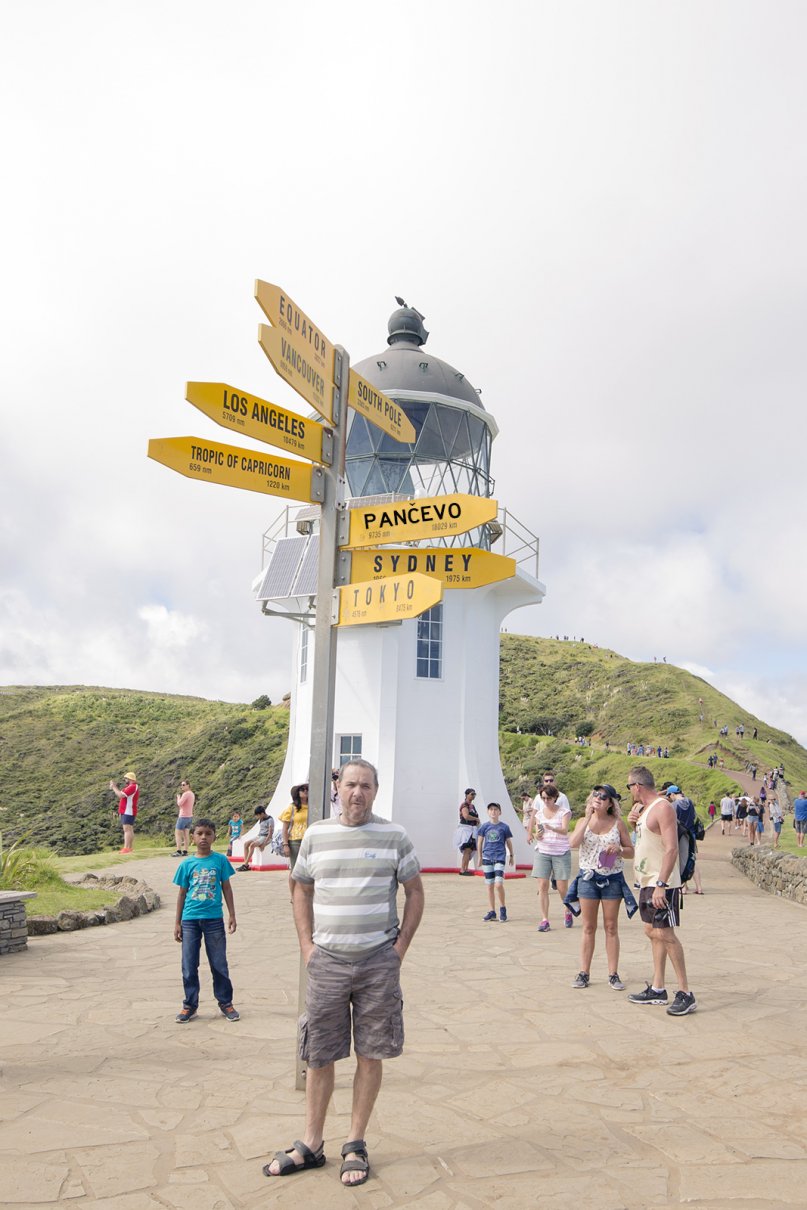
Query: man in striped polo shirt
[(344, 899)]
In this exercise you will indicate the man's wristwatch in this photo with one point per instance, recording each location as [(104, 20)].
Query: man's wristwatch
[(660, 883)]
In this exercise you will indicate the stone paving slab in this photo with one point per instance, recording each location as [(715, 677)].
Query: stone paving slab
[(514, 1089)]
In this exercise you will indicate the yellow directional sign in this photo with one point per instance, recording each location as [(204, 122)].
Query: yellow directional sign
[(413, 520), (384, 412), (453, 566), (234, 467), (390, 600), (283, 313), (254, 417), (300, 369)]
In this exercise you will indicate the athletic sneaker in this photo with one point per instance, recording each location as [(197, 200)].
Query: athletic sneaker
[(581, 980), (683, 1003), (503, 914), (650, 995), (232, 1014), (184, 1015), (568, 920), (543, 927), (616, 982), (177, 854), (490, 916)]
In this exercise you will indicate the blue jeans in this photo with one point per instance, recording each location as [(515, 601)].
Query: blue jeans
[(216, 949)]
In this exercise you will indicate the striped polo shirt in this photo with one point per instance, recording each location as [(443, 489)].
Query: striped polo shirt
[(355, 873)]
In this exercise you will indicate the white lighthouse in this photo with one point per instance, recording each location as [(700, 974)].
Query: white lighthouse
[(419, 698)]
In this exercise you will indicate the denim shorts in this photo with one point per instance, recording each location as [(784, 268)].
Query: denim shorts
[(127, 819), (553, 865), (184, 823), (601, 886)]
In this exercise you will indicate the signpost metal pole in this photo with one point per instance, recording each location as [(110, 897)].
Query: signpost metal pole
[(332, 516)]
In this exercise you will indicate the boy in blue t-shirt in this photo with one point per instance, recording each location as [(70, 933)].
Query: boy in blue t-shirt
[(493, 839), (235, 826), (203, 881)]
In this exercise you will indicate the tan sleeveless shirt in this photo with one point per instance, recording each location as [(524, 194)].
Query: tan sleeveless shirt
[(650, 853)]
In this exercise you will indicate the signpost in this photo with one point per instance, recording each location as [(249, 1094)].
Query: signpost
[(254, 417), (414, 520), (384, 412), (300, 369), (232, 466), (453, 566), (393, 599), (283, 313)]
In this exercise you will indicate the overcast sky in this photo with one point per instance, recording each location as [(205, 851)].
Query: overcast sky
[(599, 208)]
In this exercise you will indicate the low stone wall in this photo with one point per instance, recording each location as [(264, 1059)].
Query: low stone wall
[(13, 933), (135, 900), (773, 871)]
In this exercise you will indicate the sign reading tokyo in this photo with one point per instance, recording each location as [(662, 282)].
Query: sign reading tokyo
[(234, 467), (384, 412), (453, 566), (412, 520), (234, 409), (283, 313), (390, 600), (300, 369)]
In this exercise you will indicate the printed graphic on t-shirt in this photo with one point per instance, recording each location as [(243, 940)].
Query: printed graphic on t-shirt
[(203, 884)]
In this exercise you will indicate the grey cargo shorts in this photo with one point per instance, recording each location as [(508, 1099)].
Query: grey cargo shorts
[(368, 991)]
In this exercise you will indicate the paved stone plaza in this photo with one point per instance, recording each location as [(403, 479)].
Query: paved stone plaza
[(515, 1089)]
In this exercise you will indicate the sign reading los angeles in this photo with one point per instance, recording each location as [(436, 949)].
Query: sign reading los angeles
[(384, 412), (391, 600), (243, 413), (300, 369), (453, 566), (232, 466), (413, 520)]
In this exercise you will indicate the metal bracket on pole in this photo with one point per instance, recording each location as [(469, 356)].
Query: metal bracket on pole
[(344, 560), (317, 484), (327, 447)]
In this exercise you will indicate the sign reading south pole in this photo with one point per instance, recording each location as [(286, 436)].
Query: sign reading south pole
[(300, 368), (391, 600), (384, 412), (197, 458), (414, 520), (243, 413), (453, 566)]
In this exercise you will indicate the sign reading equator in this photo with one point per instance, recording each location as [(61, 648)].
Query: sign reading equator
[(300, 369), (283, 313), (453, 566), (241, 412), (211, 462), (384, 412), (391, 600), (413, 520)]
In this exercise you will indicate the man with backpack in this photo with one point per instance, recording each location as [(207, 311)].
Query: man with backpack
[(690, 830)]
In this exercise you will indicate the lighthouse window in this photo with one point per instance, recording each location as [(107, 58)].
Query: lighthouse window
[(430, 643), (303, 653), (349, 748)]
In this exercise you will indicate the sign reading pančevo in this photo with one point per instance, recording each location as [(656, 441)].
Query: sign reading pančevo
[(300, 368), (384, 412), (454, 566), (391, 600), (284, 314), (414, 520), (243, 413), (232, 466)]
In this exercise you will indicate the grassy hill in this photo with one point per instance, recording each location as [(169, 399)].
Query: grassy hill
[(552, 691), (60, 746)]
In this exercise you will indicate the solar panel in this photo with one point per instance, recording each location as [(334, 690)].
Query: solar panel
[(306, 581), (281, 570)]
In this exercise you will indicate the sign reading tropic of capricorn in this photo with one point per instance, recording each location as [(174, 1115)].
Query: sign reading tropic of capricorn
[(233, 466), (393, 599), (413, 520), (254, 417), (454, 567)]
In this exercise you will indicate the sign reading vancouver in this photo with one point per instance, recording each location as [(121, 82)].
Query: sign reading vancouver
[(412, 520)]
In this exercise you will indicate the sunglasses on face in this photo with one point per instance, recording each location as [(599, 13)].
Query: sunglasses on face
[(602, 797)]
